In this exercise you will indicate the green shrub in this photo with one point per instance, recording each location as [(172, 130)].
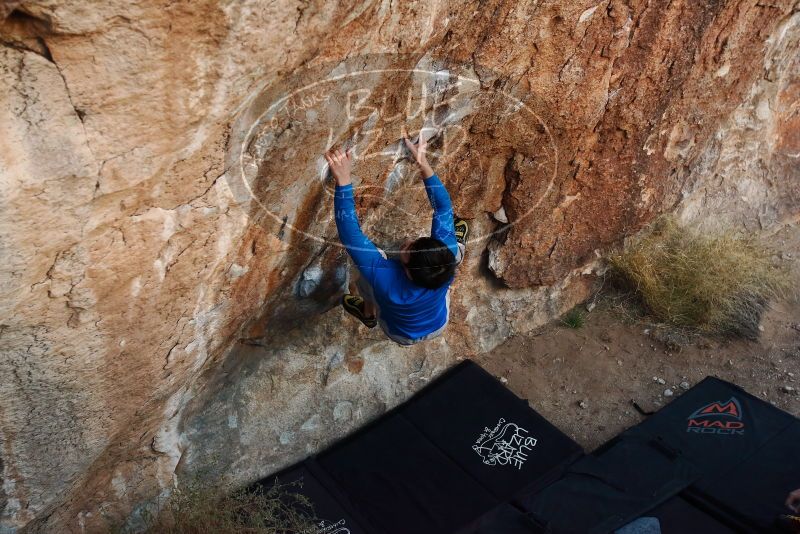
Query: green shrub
[(718, 284), (573, 318)]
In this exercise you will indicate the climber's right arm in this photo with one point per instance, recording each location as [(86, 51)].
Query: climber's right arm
[(364, 253)]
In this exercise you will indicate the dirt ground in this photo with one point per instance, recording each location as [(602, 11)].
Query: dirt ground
[(583, 380)]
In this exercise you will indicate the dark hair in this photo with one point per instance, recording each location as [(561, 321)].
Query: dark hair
[(431, 264)]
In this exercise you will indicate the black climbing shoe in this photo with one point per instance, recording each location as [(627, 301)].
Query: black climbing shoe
[(354, 305), (462, 230)]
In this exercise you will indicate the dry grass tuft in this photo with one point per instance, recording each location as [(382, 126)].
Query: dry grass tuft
[(198, 509), (715, 284)]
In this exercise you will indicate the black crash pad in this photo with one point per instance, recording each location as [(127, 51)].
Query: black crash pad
[(489, 432), (730, 453), (716, 425), (679, 516), (467, 456), (505, 519), (603, 492), (331, 517), (400, 483), (752, 494)]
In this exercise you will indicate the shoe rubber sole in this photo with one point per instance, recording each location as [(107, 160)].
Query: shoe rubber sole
[(354, 305)]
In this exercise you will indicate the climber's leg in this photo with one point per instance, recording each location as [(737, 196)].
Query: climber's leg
[(361, 287), (360, 302), (354, 305)]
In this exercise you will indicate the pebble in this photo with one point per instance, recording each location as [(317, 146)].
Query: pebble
[(583, 404), (787, 389), (668, 392), (684, 385), (659, 380), (504, 380), (590, 306)]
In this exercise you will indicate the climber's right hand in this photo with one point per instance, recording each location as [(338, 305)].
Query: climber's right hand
[(341, 163)]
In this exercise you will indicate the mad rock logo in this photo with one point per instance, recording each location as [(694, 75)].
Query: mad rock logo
[(721, 418), (505, 444)]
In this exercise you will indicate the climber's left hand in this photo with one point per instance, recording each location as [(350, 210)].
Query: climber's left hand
[(341, 163)]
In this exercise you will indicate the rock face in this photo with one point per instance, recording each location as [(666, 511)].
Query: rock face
[(169, 262)]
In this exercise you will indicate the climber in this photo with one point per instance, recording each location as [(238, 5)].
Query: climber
[(410, 296)]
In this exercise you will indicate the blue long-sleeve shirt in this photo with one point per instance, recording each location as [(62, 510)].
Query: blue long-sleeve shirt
[(408, 310)]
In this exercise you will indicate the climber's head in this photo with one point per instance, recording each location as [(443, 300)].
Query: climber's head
[(428, 262)]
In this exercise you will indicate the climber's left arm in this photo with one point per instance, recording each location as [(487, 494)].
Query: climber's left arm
[(442, 227)]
